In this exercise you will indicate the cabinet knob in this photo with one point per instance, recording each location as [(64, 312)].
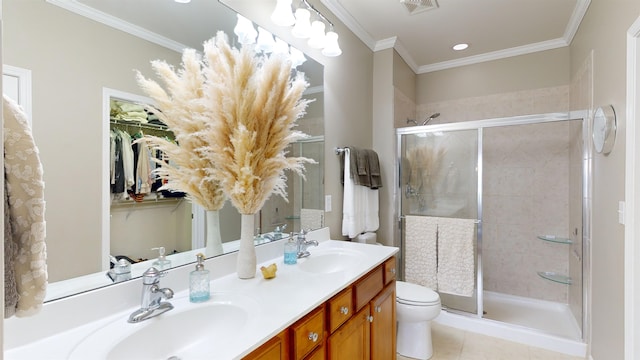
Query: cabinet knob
[(344, 310), (370, 318), (393, 271), (313, 336), (378, 309)]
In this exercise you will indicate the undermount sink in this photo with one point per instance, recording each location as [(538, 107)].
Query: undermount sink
[(326, 261), (186, 332)]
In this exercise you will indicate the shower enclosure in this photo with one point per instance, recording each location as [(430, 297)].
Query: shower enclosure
[(522, 179)]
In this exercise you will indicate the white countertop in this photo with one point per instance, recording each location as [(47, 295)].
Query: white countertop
[(278, 302)]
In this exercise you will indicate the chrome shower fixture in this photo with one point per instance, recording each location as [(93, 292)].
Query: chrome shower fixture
[(433, 116), (412, 121)]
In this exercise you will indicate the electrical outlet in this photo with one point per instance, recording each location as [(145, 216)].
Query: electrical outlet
[(327, 203)]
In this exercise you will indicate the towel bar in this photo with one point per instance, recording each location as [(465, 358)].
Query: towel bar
[(339, 151)]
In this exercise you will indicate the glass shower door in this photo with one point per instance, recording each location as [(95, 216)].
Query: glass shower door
[(439, 177)]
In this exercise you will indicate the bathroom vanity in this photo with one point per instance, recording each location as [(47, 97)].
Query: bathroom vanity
[(340, 301)]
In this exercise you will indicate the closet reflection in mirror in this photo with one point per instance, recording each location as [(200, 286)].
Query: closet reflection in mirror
[(74, 61)]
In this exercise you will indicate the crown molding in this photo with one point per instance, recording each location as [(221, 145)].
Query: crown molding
[(576, 18), (343, 15), (570, 31), (116, 23), (495, 55)]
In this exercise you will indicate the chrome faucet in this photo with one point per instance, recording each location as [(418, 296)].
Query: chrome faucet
[(152, 295), (303, 243)]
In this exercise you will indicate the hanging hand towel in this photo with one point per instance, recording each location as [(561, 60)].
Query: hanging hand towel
[(420, 242), (456, 265), (25, 190)]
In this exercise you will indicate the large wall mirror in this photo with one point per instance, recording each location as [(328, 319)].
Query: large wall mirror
[(82, 54)]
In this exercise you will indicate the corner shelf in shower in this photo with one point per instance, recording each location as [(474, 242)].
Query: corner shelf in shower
[(555, 239), (555, 277)]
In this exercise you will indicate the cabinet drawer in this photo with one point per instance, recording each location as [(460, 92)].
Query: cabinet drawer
[(308, 333), (368, 287), (317, 354), (340, 309), (389, 270)]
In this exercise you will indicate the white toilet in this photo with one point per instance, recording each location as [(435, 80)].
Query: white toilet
[(416, 306)]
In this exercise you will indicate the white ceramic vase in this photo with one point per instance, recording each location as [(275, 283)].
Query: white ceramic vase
[(214, 241), (246, 265)]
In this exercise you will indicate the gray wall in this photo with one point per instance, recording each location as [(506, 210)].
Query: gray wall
[(602, 37)]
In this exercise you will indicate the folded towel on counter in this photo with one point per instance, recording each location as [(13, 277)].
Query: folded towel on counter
[(456, 260), (420, 244)]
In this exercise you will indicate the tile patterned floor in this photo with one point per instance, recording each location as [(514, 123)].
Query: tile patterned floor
[(454, 344)]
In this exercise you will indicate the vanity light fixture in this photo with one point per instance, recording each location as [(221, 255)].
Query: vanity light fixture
[(304, 29), (461, 46), (282, 14)]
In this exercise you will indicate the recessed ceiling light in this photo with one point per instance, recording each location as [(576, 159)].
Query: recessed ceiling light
[(459, 47), (182, 1)]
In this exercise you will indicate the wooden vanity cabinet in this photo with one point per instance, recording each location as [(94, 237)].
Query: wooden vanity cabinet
[(277, 348), (308, 333), (359, 323)]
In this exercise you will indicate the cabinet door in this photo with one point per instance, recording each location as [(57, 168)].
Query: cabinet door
[(352, 340), (383, 326), (277, 348)]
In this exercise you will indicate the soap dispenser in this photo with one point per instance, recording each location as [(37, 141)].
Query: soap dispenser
[(291, 251), (161, 263), (199, 282)]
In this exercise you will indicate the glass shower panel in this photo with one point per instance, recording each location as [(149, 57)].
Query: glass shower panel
[(439, 177)]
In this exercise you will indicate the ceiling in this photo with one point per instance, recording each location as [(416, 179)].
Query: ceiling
[(493, 29)]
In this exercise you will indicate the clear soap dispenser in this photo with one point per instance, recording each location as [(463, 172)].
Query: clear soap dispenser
[(291, 251), (161, 263), (199, 282)]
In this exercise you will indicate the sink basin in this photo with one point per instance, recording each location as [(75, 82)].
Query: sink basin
[(330, 261), (186, 332)]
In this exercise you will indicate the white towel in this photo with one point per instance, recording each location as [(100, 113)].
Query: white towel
[(360, 205), (420, 251), (311, 219), (456, 256)]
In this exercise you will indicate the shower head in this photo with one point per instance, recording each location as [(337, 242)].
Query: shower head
[(433, 116)]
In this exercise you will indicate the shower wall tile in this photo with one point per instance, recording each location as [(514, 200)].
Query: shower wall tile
[(525, 180), (403, 108), (525, 102)]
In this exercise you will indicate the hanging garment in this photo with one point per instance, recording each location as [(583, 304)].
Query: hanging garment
[(25, 192)]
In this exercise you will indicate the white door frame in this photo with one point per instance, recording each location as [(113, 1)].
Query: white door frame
[(632, 198)]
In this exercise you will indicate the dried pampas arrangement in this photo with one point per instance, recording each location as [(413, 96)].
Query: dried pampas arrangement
[(183, 109), (233, 113), (255, 103)]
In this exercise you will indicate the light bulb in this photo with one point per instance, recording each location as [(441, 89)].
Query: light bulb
[(282, 14), (281, 47), (297, 57), (317, 39), (331, 46), (265, 41), (302, 28), (245, 31)]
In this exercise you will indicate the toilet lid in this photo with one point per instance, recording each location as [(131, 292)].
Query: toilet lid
[(412, 294)]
